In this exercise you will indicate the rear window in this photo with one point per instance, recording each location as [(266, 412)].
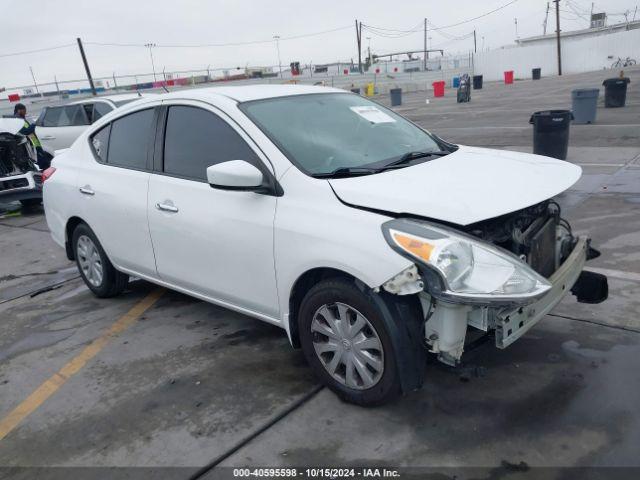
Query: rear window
[(65, 116)]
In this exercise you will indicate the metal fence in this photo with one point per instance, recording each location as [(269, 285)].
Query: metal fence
[(407, 74)]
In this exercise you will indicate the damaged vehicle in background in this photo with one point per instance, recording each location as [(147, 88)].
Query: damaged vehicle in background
[(20, 177), (371, 241)]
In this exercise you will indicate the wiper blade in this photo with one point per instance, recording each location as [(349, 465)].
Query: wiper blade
[(407, 157), (347, 172)]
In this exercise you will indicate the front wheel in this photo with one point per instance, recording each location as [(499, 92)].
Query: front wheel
[(95, 268), (346, 342)]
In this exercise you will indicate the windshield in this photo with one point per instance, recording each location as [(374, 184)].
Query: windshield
[(328, 132)]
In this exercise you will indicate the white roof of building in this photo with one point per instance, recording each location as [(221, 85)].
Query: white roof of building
[(585, 31)]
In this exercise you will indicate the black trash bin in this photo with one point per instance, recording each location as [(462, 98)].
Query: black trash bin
[(615, 92), (396, 96), (535, 73), (477, 82), (551, 132), (356, 90)]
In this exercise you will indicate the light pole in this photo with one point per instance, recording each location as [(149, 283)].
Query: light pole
[(277, 39), (35, 84), (153, 67)]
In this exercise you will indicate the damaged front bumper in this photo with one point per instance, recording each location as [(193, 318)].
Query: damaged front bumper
[(21, 187), (511, 324), (446, 323)]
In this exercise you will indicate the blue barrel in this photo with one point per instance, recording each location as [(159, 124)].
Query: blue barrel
[(456, 82)]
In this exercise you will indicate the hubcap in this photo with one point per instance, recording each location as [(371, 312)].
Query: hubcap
[(348, 346), (89, 260)]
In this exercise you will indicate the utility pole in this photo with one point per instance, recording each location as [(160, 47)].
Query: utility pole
[(425, 45), (153, 67), (35, 84), (359, 43), (86, 67), (557, 2), (544, 24), (277, 39), (115, 83), (475, 46), (516, 22)]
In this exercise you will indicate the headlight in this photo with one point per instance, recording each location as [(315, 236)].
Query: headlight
[(468, 268)]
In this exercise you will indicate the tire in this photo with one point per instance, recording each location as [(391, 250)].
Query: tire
[(94, 266), (341, 299), (31, 202)]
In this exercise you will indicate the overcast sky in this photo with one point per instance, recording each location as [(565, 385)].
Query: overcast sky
[(48, 23)]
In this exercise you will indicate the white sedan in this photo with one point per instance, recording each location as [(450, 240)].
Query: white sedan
[(370, 241)]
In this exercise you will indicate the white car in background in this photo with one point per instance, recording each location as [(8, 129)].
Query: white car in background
[(59, 126), (369, 240)]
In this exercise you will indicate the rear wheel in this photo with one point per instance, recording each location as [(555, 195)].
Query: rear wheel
[(31, 202), (345, 341), (95, 268)]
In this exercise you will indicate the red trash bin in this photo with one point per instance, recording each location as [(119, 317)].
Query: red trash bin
[(508, 77), (438, 88)]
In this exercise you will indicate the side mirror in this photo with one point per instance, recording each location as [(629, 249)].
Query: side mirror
[(235, 175)]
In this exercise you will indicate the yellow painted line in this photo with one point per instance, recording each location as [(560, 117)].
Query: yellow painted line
[(58, 379)]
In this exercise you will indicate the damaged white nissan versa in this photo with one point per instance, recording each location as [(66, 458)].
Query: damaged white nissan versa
[(369, 240)]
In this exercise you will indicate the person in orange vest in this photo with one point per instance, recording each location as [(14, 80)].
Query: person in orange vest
[(29, 131)]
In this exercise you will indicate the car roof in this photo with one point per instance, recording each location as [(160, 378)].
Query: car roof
[(249, 92), (116, 97)]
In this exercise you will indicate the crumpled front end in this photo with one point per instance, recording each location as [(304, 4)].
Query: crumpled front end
[(536, 236), (20, 178)]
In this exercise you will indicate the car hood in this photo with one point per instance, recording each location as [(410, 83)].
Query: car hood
[(464, 187), (11, 125)]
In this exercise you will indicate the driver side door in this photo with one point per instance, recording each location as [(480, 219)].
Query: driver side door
[(211, 242)]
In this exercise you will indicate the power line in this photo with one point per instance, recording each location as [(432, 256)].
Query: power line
[(228, 44), (26, 52), (479, 16)]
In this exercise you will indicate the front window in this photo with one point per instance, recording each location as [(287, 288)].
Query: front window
[(339, 132)]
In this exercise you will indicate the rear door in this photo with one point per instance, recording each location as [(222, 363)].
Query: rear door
[(217, 243), (113, 189), (60, 126)]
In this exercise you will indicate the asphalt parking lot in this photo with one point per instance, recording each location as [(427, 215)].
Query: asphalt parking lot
[(156, 379)]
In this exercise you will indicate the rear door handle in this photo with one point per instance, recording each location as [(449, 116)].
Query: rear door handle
[(165, 207), (87, 190)]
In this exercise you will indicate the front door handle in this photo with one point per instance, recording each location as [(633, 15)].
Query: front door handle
[(165, 207), (47, 137), (87, 190)]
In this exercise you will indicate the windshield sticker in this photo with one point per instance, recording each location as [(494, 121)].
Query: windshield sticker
[(372, 114)]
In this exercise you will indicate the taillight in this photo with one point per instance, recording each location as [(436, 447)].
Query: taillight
[(46, 175)]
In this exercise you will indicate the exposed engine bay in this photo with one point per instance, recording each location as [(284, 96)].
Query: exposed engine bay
[(537, 234), (17, 156)]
